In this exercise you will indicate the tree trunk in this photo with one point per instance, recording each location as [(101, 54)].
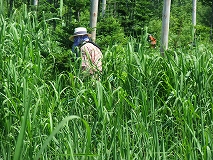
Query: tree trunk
[(165, 26), (93, 18), (35, 5), (194, 6), (211, 21), (103, 7), (35, 2)]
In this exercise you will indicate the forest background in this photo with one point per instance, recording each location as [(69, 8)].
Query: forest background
[(121, 19)]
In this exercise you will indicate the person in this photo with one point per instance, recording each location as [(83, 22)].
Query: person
[(86, 49), (152, 41)]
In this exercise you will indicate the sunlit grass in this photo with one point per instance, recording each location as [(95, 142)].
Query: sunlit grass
[(144, 107)]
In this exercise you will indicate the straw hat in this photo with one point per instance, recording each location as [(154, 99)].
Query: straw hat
[(79, 32)]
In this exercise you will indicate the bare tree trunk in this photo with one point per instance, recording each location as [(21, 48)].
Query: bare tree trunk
[(93, 18), (211, 21), (35, 5), (165, 26), (194, 6), (35, 2), (103, 7)]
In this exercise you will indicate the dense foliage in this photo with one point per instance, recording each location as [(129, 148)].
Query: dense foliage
[(121, 19), (144, 106)]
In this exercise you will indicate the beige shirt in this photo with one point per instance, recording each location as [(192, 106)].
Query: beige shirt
[(91, 58)]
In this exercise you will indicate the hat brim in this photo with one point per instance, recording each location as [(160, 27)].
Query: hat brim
[(72, 37)]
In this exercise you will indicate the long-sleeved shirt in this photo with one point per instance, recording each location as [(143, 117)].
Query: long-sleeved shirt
[(91, 57)]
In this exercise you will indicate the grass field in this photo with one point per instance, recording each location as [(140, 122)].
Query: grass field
[(144, 107)]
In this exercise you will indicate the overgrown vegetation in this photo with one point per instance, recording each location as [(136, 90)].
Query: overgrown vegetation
[(144, 107)]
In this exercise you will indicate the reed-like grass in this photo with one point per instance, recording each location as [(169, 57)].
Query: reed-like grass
[(144, 107)]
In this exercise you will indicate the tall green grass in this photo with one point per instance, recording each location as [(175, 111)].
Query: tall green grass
[(144, 107)]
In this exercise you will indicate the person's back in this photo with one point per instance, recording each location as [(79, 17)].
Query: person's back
[(91, 57), (90, 53)]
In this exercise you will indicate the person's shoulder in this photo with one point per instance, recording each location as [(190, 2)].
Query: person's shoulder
[(90, 44)]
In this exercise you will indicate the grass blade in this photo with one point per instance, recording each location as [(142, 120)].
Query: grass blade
[(56, 130), (26, 105)]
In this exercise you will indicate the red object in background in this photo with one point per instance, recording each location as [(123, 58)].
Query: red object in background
[(152, 41)]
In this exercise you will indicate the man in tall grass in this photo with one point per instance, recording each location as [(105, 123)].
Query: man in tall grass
[(89, 52)]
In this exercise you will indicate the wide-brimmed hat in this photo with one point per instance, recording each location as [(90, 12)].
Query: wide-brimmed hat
[(79, 32)]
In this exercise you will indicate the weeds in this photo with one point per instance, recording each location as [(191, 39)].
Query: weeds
[(144, 106)]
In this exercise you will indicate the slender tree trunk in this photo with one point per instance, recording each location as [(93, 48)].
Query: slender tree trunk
[(35, 5), (194, 8), (103, 7), (194, 4), (211, 21), (35, 2), (165, 26), (93, 18)]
